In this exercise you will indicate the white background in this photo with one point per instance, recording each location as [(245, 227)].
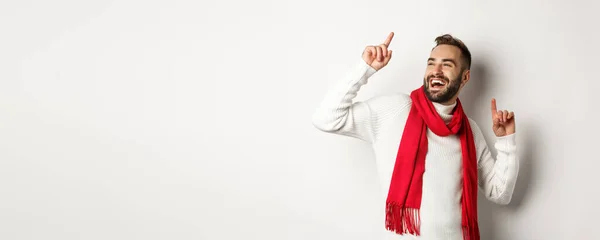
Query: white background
[(191, 119)]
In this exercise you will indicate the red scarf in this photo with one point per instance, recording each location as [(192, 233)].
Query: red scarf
[(404, 196)]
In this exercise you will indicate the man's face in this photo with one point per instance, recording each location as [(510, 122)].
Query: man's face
[(443, 75)]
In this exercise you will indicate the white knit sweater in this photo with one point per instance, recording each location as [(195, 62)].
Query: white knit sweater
[(380, 121)]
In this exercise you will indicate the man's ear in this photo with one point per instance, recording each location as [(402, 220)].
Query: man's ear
[(466, 76)]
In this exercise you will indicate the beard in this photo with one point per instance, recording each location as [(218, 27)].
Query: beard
[(444, 95)]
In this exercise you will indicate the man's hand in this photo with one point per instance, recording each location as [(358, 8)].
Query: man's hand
[(378, 56), (503, 121)]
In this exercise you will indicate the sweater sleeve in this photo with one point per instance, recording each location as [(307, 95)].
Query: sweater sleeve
[(337, 113), (497, 175)]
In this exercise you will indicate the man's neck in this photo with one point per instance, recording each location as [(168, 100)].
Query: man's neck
[(449, 102)]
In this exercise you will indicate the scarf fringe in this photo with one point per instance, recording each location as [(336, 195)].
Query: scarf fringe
[(471, 233), (402, 220)]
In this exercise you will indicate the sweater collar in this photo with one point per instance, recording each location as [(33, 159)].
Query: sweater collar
[(445, 111)]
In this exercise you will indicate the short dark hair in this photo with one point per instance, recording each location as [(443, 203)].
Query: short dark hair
[(450, 40)]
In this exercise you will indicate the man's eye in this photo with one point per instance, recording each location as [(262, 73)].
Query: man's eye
[(447, 65)]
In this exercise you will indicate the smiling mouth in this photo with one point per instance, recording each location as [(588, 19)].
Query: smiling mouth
[(437, 83)]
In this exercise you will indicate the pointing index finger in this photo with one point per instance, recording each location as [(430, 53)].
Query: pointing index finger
[(388, 40), (494, 109)]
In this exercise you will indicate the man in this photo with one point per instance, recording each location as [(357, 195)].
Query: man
[(430, 156)]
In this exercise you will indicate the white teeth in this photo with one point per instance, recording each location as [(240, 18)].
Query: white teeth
[(437, 81)]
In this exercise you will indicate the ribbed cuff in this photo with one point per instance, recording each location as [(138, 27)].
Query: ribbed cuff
[(506, 142), (369, 70)]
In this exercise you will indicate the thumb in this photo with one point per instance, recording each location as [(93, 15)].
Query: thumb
[(388, 57), (496, 121)]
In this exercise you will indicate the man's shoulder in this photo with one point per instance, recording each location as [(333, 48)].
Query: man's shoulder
[(391, 104), (474, 126), (477, 133), (397, 99), (472, 122)]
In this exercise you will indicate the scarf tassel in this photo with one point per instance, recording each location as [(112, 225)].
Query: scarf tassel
[(471, 233), (402, 220)]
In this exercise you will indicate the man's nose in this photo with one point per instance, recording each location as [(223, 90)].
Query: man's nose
[(437, 68)]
